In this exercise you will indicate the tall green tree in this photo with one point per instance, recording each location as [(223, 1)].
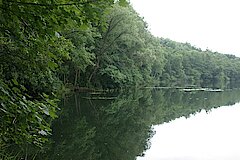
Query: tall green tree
[(36, 42)]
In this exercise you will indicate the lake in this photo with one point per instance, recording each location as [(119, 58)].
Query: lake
[(147, 124), (204, 136)]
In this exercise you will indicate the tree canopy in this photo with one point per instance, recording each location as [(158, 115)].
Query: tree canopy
[(47, 47)]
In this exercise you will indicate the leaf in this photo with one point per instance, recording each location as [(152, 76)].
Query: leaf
[(52, 65), (23, 88), (53, 114), (46, 111), (15, 82), (123, 3), (83, 27), (16, 90), (3, 110), (42, 132)]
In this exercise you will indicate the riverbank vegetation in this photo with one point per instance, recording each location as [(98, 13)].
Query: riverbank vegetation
[(48, 46)]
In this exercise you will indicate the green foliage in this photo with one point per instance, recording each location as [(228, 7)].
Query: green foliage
[(120, 54), (126, 54), (187, 65), (47, 46), (38, 45), (24, 120)]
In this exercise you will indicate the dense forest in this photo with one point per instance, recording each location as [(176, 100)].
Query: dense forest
[(48, 47)]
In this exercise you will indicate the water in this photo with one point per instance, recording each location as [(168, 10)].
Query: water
[(212, 136), (164, 124)]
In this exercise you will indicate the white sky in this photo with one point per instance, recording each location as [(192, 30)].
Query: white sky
[(212, 24)]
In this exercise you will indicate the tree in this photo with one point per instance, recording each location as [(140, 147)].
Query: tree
[(34, 43)]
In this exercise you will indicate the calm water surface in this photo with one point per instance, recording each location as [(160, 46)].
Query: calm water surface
[(148, 124), (204, 136)]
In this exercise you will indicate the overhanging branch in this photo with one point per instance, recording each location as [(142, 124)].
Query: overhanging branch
[(50, 5)]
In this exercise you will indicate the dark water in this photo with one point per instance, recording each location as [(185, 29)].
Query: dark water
[(124, 126)]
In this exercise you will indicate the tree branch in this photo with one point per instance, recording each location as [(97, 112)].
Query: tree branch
[(50, 5)]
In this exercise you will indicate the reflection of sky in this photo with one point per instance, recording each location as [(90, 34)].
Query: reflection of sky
[(212, 136)]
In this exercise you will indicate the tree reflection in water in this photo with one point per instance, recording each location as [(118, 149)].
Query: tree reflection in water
[(118, 126)]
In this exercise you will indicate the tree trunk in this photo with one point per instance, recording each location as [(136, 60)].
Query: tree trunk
[(94, 72), (75, 82)]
